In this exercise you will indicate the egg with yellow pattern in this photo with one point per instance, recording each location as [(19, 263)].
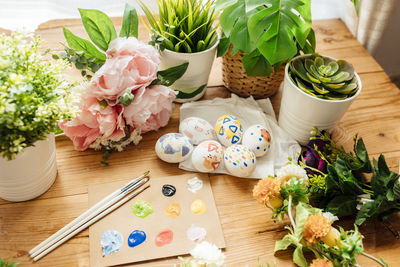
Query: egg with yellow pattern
[(229, 130)]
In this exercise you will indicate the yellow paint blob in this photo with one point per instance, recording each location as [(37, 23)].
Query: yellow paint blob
[(173, 210), (198, 206)]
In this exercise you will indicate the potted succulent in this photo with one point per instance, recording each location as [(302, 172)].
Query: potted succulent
[(317, 91), (259, 38), (184, 32), (32, 100)]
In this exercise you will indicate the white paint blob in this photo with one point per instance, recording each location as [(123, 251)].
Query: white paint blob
[(194, 184), (196, 233)]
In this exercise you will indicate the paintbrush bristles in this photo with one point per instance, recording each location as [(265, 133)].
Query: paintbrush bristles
[(89, 214)]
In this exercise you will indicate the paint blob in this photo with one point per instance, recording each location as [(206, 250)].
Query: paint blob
[(173, 210), (163, 238), (136, 238), (111, 241), (194, 184), (168, 190), (198, 206), (142, 209), (196, 233)]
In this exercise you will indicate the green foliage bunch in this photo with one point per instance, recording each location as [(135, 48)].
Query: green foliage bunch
[(270, 32), (184, 26), (33, 93)]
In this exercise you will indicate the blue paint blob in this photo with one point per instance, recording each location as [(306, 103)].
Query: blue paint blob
[(245, 164), (185, 150), (111, 241), (169, 149), (136, 238), (258, 147), (234, 163)]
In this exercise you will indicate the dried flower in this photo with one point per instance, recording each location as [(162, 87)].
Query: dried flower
[(316, 228), (321, 263), (267, 190)]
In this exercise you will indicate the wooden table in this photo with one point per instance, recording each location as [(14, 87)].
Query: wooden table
[(250, 234)]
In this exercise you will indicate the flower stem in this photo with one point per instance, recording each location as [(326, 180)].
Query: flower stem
[(290, 212), (374, 259)]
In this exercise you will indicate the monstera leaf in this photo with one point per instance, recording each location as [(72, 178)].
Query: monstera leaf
[(277, 24), (271, 32)]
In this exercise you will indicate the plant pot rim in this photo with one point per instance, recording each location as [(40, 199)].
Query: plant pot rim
[(196, 53), (320, 99)]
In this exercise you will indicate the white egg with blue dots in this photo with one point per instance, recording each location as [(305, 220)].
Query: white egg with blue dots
[(239, 160), (258, 139)]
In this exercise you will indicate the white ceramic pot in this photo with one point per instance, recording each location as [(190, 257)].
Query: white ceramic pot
[(301, 112), (31, 173), (192, 85)]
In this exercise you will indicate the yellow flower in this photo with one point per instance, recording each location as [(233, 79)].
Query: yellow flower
[(321, 263), (267, 191), (316, 228)]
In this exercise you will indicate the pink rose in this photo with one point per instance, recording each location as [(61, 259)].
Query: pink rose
[(94, 122), (150, 109), (131, 64)]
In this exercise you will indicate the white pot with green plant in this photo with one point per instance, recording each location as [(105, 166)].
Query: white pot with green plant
[(32, 101), (183, 31), (317, 91)]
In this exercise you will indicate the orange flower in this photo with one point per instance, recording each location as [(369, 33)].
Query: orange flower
[(321, 263), (267, 190), (316, 228)]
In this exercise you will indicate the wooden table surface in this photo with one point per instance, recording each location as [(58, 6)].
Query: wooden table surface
[(249, 232)]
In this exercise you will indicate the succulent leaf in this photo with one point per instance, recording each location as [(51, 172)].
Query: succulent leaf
[(324, 77)]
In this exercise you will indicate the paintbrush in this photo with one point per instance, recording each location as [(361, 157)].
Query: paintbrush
[(98, 211)]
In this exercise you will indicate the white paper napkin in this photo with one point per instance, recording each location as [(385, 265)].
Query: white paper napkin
[(249, 112)]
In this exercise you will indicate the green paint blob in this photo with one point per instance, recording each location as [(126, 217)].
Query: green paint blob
[(142, 209)]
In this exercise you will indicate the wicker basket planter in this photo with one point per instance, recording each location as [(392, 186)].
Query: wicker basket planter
[(236, 80)]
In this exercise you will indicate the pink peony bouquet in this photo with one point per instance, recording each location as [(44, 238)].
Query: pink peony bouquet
[(124, 99)]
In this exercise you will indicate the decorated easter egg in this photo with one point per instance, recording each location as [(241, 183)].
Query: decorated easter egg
[(239, 160), (173, 147), (229, 130), (197, 130), (207, 156), (257, 139)]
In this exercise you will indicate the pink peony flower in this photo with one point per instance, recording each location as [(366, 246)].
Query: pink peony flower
[(130, 65), (94, 122), (150, 109)]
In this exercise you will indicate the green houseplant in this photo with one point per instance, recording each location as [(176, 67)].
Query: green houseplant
[(261, 36), (184, 31), (33, 98), (317, 91)]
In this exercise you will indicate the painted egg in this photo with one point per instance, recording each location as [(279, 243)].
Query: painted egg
[(207, 156), (173, 147), (257, 139), (239, 160), (229, 130), (197, 130)]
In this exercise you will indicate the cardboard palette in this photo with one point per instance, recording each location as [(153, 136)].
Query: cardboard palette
[(124, 221)]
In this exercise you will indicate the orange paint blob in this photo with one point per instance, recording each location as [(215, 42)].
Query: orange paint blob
[(164, 237), (173, 210)]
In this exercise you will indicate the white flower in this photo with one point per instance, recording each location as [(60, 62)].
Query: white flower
[(207, 254), (292, 170), (331, 218)]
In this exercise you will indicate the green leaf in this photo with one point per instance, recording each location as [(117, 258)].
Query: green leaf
[(343, 205), (298, 257), (223, 46), (283, 244), (396, 190), (127, 98), (130, 22), (368, 210), (255, 64), (83, 45), (275, 27), (383, 179), (99, 27), (169, 76)]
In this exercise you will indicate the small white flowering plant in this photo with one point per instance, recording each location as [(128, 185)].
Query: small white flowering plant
[(33, 94)]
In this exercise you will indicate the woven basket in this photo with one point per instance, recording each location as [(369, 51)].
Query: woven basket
[(236, 80)]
